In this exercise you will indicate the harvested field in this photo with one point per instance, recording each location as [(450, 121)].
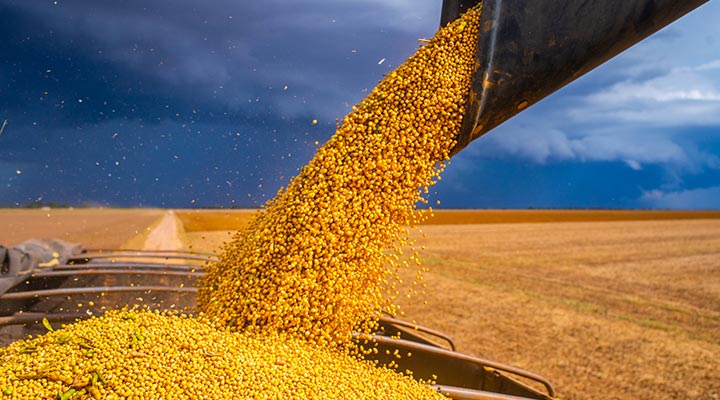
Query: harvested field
[(608, 309), (207, 240), (605, 309), (94, 228), (445, 217), (214, 220), (207, 230), (619, 310), (224, 220)]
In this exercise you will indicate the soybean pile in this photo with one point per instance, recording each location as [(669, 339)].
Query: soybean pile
[(133, 354), (314, 266)]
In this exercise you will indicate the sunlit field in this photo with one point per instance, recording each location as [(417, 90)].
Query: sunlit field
[(94, 228), (605, 304)]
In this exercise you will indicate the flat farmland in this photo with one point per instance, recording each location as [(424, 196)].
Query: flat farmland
[(613, 310), (605, 304), (94, 228), (464, 217), (214, 220)]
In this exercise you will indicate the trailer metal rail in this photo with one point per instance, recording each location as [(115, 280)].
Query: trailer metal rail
[(62, 282)]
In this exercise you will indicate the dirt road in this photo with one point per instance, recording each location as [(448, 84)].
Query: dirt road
[(166, 235)]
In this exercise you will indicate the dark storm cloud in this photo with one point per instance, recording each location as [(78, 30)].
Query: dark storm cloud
[(168, 102), (232, 53), (131, 163), (211, 100)]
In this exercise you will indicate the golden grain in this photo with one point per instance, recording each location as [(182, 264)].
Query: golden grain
[(315, 265), (322, 257), (187, 358)]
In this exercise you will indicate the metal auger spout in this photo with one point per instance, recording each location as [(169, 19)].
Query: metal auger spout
[(528, 49)]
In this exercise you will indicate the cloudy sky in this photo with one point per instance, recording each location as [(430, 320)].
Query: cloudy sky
[(180, 103)]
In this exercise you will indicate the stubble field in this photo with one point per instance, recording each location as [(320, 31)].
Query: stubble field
[(612, 310), (605, 304), (94, 228)]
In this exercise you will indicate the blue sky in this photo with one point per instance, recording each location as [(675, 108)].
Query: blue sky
[(183, 104)]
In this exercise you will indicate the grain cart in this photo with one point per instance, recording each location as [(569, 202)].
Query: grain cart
[(526, 50), (63, 282)]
